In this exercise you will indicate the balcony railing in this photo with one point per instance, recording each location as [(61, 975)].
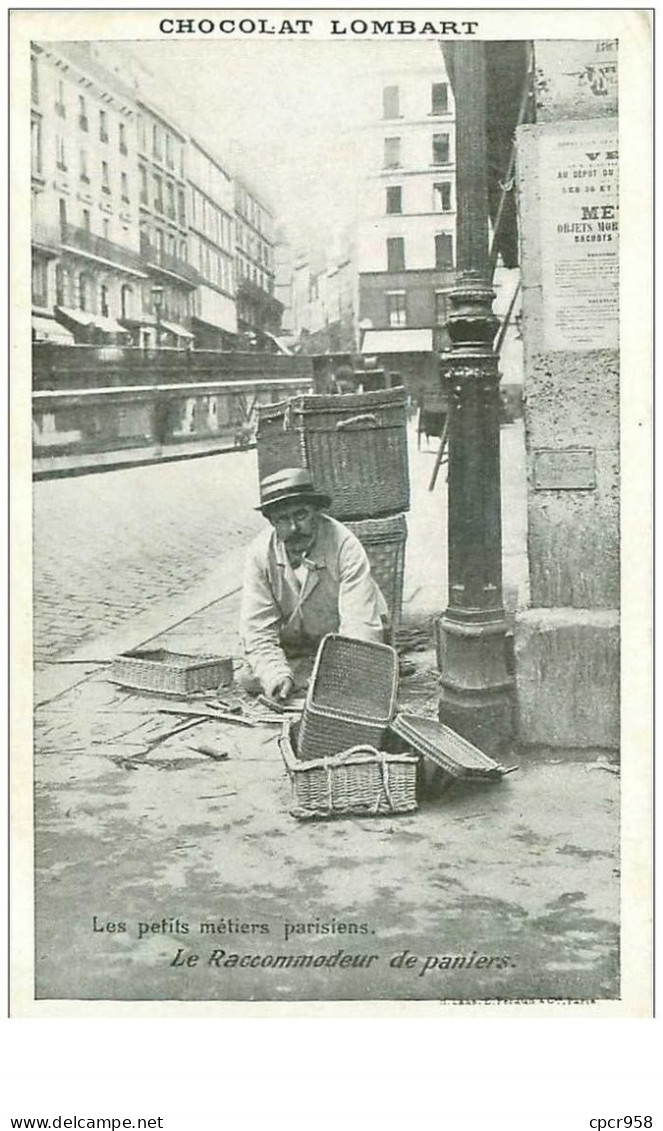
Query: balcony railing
[(83, 240), (169, 263)]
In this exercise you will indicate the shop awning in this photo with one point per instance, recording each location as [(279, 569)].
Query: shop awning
[(178, 331), (108, 325), (48, 330), (397, 341), (79, 317)]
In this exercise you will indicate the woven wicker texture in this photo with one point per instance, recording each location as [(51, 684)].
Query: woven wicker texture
[(363, 781), (170, 673), (351, 696), (445, 747), (384, 541), (355, 446)]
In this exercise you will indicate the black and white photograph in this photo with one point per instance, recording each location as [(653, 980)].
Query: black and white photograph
[(319, 332)]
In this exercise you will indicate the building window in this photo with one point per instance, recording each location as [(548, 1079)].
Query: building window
[(124, 187), (143, 184), (61, 153), (159, 236), (156, 141), (142, 134), (39, 282), (126, 302), (103, 125), (390, 102), (84, 292), (442, 197), (444, 259), (440, 149), (170, 189), (439, 98), (35, 147), (181, 206), (85, 217), (60, 108), (158, 193), (183, 250), (59, 285), (85, 176), (34, 80), (82, 113), (105, 177), (106, 229), (392, 152), (396, 308), (171, 244), (440, 308), (62, 215), (123, 138), (396, 254), (394, 199), (169, 151)]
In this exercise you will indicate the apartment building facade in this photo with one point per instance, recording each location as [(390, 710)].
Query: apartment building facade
[(211, 200), (84, 197), (406, 233), (166, 302), (141, 235), (258, 310)]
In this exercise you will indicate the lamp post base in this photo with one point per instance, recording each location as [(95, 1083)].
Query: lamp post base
[(476, 696)]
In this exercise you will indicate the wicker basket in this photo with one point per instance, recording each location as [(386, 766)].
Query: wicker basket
[(384, 541), (355, 447), (360, 782), (170, 673), (447, 749), (351, 697)]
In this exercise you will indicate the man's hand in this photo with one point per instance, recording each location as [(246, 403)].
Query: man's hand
[(281, 690)]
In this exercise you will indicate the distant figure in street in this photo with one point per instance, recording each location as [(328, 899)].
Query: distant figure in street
[(306, 576)]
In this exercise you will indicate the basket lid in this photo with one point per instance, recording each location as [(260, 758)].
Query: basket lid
[(445, 747), (354, 678)]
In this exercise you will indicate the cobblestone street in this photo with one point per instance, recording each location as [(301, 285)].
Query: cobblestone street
[(108, 546)]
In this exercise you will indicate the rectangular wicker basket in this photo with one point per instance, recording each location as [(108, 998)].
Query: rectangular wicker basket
[(359, 782), (351, 697), (384, 541), (355, 447), (170, 673)]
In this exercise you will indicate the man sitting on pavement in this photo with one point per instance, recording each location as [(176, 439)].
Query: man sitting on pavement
[(306, 576)]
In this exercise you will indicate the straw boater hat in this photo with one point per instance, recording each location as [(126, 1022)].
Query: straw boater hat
[(290, 483)]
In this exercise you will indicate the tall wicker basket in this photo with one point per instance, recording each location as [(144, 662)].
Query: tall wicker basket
[(384, 541), (355, 446), (351, 697)]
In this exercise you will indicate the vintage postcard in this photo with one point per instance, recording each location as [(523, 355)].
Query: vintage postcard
[(331, 430)]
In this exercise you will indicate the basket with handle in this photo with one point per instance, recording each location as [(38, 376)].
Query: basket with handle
[(355, 447), (360, 781), (351, 696), (384, 541)]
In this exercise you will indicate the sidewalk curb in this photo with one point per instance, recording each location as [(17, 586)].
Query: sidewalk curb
[(62, 675)]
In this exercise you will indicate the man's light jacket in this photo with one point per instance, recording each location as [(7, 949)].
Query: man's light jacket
[(339, 595)]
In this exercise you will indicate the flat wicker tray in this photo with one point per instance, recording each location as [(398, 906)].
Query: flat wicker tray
[(361, 781), (447, 749), (351, 697), (170, 673)]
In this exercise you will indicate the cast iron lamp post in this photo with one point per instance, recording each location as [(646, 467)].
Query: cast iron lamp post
[(476, 690), (157, 299)]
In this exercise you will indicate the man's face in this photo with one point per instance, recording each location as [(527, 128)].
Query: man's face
[(296, 524)]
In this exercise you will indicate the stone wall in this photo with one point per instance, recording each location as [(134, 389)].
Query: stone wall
[(567, 643)]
